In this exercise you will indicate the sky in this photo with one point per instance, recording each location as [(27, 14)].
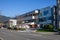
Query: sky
[(12, 8)]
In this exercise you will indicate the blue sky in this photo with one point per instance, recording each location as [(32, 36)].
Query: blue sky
[(13, 8)]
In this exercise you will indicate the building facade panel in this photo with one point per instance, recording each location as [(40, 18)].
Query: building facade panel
[(39, 18), (28, 19), (46, 16)]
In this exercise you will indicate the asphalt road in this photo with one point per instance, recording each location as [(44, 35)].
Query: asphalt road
[(14, 35)]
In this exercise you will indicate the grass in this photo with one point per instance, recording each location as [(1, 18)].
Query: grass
[(45, 30), (22, 29)]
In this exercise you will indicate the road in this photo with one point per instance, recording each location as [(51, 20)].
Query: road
[(14, 35)]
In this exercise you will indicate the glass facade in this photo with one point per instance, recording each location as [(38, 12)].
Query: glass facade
[(46, 16), (46, 12)]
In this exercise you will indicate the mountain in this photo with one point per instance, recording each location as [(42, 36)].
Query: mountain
[(4, 18)]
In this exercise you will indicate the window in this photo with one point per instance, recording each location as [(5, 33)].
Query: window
[(40, 13), (42, 19), (46, 12), (33, 17), (50, 18)]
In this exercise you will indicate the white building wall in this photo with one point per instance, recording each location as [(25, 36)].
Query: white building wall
[(12, 22)]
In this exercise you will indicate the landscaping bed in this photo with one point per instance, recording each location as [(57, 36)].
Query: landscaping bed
[(44, 30), (15, 28)]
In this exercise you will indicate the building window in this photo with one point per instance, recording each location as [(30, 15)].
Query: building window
[(42, 19), (46, 12), (40, 13), (50, 18), (33, 17)]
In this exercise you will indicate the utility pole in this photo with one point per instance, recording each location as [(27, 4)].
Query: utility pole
[(58, 14)]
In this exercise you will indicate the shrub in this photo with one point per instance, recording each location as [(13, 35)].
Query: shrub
[(9, 28), (15, 28), (22, 29), (44, 30), (48, 27), (12, 28), (58, 29)]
